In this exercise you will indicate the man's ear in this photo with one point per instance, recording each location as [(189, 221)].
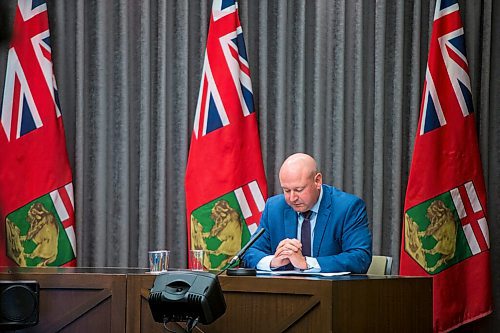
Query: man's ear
[(318, 180)]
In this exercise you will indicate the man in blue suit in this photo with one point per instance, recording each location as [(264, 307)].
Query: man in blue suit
[(311, 226)]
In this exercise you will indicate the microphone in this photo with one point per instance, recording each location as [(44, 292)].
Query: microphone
[(242, 271)]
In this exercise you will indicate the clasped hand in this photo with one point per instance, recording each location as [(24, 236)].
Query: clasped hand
[(289, 251)]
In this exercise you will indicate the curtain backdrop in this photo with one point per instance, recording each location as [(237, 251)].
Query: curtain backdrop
[(340, 80)]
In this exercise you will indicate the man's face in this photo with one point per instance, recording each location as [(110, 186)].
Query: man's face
[(301, 189)]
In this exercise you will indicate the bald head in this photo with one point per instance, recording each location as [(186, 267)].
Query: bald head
[(300, 181), (299, 163)]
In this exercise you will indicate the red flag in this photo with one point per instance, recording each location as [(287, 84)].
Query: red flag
[(226, 186), (445, 233), (36, 190)]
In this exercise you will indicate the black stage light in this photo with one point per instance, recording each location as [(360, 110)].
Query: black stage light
[(186, 296), (18, 304)]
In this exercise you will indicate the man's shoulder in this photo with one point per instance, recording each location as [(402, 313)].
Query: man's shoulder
[(276, 200), (337, 194), (275, 206)]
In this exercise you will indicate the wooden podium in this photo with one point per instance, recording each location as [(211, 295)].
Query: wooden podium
[(115, 300), (76, 299)]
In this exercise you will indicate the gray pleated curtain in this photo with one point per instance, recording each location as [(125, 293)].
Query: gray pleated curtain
[(338, 79)]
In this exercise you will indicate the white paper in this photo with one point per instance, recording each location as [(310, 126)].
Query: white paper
[(304, 273)]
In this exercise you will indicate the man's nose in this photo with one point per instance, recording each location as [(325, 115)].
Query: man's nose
[(293, 196)]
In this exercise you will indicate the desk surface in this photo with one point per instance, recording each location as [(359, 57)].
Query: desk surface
[(144, 271), (73, 270)]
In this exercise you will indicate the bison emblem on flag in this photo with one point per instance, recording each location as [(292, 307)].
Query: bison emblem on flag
[(222, 226), (446, 229), (225, 182), (41, 233), (36, 189)]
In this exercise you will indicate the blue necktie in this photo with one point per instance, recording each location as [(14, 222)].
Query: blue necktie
[(305, 233)]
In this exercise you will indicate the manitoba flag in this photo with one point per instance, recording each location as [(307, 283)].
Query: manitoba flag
[(36, 190), (225, 182), (445, 225)]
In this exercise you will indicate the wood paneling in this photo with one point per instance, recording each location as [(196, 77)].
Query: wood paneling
[(354, 303), (73, 300)]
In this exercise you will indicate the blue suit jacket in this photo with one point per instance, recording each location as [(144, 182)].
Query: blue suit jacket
[(342, 240)]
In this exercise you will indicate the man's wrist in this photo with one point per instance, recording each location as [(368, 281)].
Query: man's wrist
[(306, 266)]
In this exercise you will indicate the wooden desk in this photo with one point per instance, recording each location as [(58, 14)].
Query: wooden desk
[(76, 299), (296, 304), (115, 300)]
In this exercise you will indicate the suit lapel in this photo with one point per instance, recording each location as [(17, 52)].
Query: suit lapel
[(290, 221), (324, 212)]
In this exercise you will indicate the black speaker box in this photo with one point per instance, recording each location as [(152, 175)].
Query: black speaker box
[(181, 295), (19, 302)]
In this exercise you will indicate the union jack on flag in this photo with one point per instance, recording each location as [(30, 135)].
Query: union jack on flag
[(37, 220), (225, 179), (445, 226), (30, 85), (225, 92), (449, 67)]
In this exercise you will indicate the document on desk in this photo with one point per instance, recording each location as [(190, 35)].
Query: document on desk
[(300, 273)]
